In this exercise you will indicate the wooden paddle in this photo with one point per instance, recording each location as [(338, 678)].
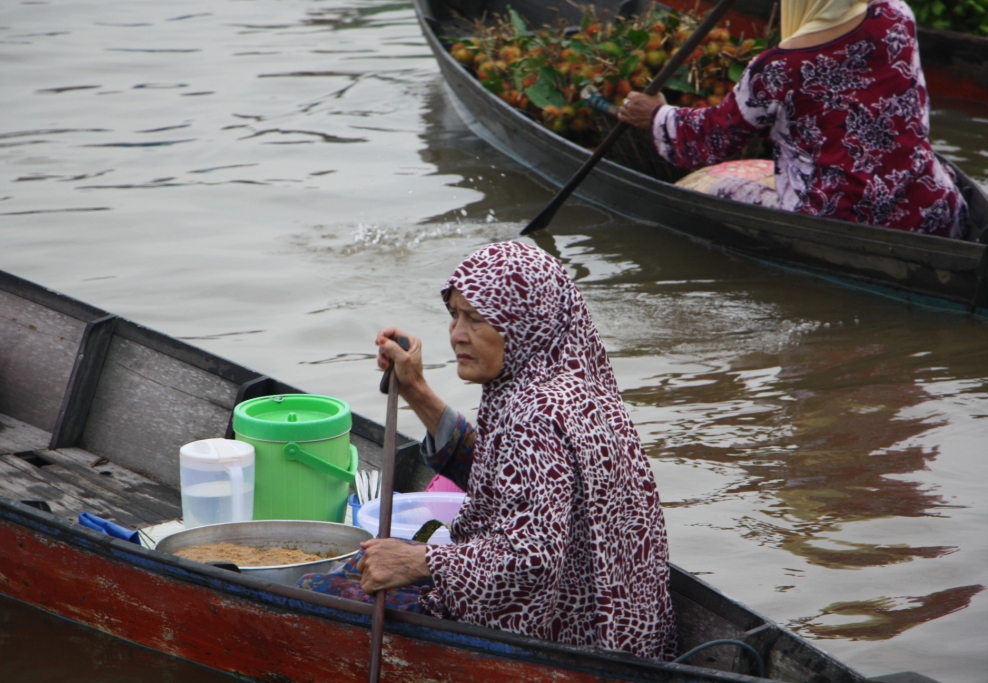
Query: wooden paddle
[(711, 20), (389, 385)]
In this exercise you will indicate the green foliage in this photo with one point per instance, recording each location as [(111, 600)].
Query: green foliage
[(548, 72), (964, 16)]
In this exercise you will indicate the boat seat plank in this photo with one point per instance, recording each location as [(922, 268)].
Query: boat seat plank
[(17, 436), (141, 497), (23, 480), (170, 402), (18, 486), (36, 359), (113, 506)]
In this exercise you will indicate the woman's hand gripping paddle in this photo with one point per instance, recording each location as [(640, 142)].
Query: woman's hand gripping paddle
[(543, 219), (389, 385)]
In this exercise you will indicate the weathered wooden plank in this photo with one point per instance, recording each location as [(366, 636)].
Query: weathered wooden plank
[(114, 506), (162, 502), (21, 481), (102, 482), (37, 351), (17, 436), (83, 381), (18, 486), (75, 496), (148, 405)]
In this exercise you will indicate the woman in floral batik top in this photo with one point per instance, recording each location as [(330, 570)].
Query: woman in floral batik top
[(843, 97)]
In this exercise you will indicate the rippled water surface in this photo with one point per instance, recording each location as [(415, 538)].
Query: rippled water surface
[(274, 181)]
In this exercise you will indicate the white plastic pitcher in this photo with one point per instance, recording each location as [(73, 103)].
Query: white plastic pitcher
[(217, 477)]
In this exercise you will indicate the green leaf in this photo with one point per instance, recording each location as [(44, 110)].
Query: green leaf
[(679, 85), (585, 23), (494, 84), (551, 76), (638, 37), (735, 71), (542, 95), (581, 48), (611, 48), (679, 82), (628, 66), (518, 24)]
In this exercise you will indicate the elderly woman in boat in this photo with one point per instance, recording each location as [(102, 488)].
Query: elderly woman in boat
[(844, 100), (561, 535)]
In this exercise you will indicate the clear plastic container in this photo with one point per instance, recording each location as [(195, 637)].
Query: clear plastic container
[(217, 478), (409, 511)]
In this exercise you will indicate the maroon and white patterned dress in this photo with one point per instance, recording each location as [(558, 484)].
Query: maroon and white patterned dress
[(850, 122), (561, 535)]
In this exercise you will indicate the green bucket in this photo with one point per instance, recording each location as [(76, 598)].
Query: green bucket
[(304, 461)]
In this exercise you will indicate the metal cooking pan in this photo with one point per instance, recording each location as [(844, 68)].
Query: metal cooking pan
[(332, 541)]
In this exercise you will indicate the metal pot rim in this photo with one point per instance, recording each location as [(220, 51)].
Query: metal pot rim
[(227, 532)]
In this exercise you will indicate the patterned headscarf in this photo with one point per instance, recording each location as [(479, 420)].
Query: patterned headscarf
[(808, 16)]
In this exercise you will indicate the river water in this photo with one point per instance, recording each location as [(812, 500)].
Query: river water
[(274, 181)]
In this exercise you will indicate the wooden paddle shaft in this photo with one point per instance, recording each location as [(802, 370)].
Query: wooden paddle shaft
[(711, 20), (387, 498)]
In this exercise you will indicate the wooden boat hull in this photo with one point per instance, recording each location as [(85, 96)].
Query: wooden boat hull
[(259, 629), (269, 632), (76, 431), (918, 268)]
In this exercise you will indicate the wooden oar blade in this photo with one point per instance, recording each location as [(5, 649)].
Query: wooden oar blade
[(545, 216)]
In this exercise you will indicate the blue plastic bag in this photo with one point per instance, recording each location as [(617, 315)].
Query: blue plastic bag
[(108, 528)]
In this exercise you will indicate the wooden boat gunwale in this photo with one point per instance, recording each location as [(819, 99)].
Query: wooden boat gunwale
[(922, 269)]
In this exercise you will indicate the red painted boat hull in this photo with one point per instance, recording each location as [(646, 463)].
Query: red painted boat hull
[(266, 631)]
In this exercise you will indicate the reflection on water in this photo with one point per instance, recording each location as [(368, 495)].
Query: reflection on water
[(886, 617), (822, 446), (822, 432), (276, 181)]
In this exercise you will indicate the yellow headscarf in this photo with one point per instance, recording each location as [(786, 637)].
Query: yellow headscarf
[(809, 16)]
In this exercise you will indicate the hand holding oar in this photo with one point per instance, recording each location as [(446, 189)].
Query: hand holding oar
[(711, 20), (390, 385)]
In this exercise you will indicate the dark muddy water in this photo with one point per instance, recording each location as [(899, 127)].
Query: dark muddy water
[(274, 181)]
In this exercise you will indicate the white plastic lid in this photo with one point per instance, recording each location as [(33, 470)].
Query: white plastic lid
[(410, 511), (218, 451)]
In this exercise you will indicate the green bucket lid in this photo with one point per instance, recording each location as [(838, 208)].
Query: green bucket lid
[(292, 417)]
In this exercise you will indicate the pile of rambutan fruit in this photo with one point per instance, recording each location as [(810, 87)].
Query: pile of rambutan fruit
[(547, 72)]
